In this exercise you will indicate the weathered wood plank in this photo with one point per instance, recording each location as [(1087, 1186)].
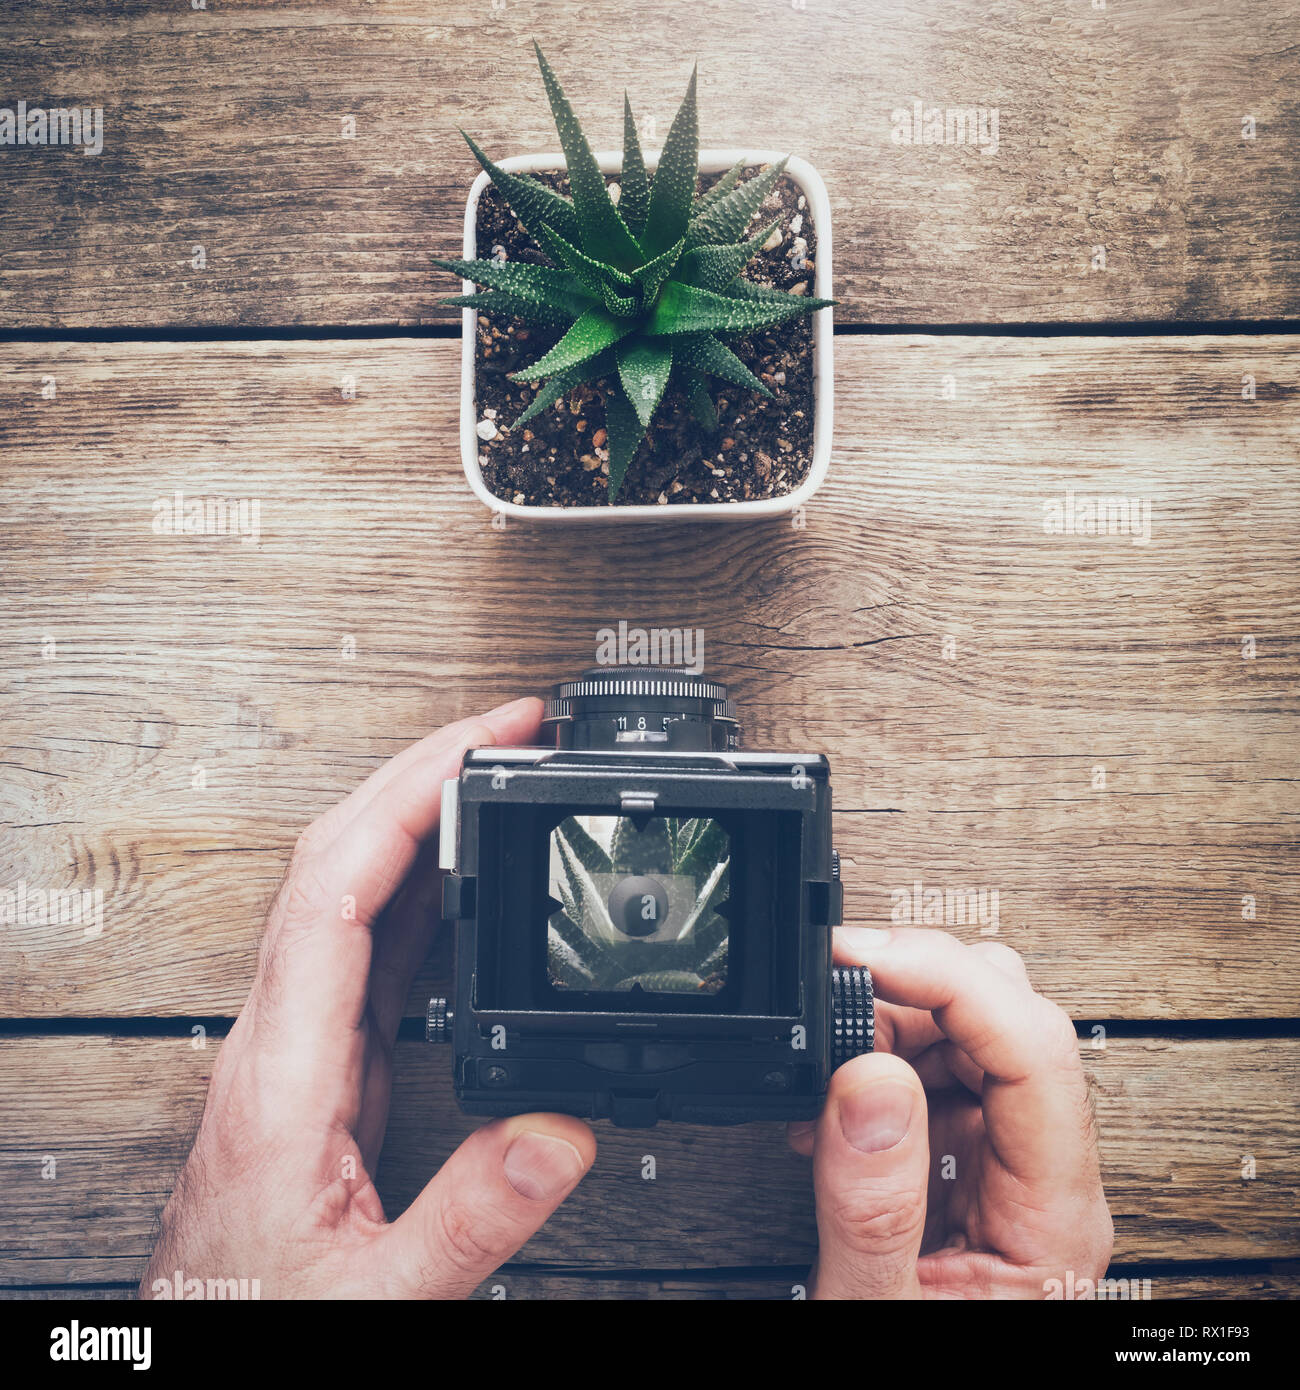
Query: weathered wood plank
[(176, 654), (525, 1284), (1119, 130), (1177, 1119)]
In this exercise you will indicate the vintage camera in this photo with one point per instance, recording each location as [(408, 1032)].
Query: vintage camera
[(643, 915)]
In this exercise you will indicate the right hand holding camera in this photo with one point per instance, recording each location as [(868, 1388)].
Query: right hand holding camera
[(959, 1160)]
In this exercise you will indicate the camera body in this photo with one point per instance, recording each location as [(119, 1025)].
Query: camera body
[(643, 915)]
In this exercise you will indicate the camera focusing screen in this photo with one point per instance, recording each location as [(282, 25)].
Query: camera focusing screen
[(640, 900)]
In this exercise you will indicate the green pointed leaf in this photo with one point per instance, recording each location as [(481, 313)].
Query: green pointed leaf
[(634, 200), (729, 218), (715, 267), (541, 283), (651, 275), (701, 402), (563, 957), (707, 354), (596, 330), (663, 982), (532, 202), (603, 364), (602, 233), (587, 898), (588, 851), (766, 294), (621, 306), (673, 188), (643, 367), (507, 305), (720, 189), (605, 282), (685, 309), (715, 887), (625, 433), (709, 846)]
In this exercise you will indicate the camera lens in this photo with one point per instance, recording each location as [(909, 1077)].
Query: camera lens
[(643, 708)]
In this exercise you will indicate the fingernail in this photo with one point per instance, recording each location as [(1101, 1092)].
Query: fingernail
[(862, 938), (877, 1117), (542, 1167)]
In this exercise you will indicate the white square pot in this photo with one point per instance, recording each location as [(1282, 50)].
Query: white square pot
[(711, 162)]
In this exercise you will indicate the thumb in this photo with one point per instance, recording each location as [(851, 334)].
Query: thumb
[(871, 1167), (490, 1197)]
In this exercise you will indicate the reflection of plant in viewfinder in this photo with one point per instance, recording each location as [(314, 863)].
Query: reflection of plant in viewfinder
[(586, 951), (646, 288)]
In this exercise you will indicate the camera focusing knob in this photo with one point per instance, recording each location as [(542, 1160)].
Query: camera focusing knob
[(641, 709), (437, 1022), (853, 1017)]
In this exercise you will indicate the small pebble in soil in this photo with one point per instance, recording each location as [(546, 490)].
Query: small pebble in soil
[(486, 430), (499, 254), (774, 240), (796, 224)]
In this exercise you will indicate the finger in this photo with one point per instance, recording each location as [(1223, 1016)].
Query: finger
[(998, 953), (317, 950), (1036, 1105), (908, 1032), (404, 936), (871, 1172), (515, 723), (490, 1197), (945, 1067)]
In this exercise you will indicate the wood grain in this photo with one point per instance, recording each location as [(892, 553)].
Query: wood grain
[(511, 1282), (1120, 129), (117, 1114), (203, 658)]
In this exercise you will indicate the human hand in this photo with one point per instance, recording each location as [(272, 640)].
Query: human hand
[(279, 1184), (959, 1160)]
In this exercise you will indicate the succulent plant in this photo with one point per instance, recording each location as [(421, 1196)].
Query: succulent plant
[(586, 951), (647, 287)]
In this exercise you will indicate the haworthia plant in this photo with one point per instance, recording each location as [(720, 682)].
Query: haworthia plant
[(586, 951), (646, 288)]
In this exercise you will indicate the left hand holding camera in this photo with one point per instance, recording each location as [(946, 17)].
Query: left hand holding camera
[(279, 1184)]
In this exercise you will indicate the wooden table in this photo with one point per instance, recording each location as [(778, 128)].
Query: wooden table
[(1102, 730)]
